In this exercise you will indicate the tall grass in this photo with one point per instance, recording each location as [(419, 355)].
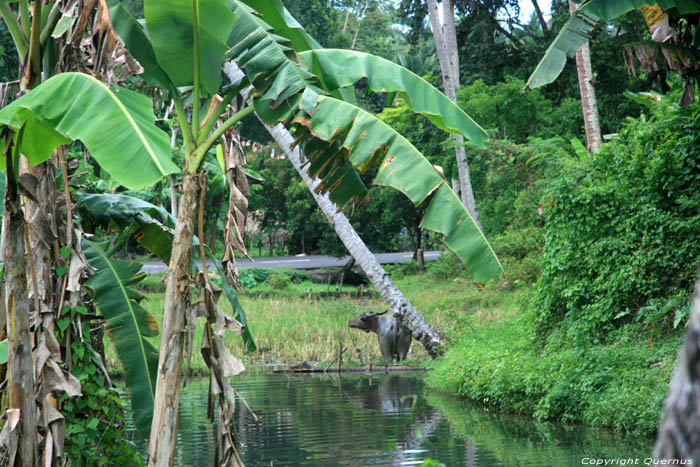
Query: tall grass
[(289, 327)]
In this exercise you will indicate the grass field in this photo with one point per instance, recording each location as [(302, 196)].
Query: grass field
[(290, 326)]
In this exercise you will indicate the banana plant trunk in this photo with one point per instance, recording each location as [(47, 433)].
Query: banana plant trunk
[(588, 101), (161, 446), (424, 332), (21, 423), (446, 46), (679, 434)]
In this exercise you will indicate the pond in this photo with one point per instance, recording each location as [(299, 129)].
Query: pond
[(388, 419)]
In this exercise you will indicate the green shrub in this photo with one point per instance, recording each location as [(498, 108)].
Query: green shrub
[(519, 251), (278, 280), (250, 277), (447, 266), (620, 385), (623, 225), (517, 115)]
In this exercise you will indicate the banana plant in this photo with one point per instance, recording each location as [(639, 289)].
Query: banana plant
[(153, 228), (117, 126), (576, 30), (128, 326), (182, 46)]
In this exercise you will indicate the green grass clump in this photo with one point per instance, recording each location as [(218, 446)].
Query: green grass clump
[(620, 385)]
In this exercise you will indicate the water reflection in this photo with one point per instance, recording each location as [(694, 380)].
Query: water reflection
[(357, 420), (393, 394)]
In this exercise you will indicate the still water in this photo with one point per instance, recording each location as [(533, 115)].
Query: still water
[(357, 420)]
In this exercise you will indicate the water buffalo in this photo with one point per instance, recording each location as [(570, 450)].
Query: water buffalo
[(394, 338)]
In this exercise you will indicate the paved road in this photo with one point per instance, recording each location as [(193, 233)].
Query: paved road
[(301, 262)]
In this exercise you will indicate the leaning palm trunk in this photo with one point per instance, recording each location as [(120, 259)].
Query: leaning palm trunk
[(420, 328), (679, 433), (588, 100), (446, 46)]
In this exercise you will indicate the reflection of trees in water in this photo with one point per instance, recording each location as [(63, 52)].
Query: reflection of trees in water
[(361, 420), (510, 439), (326, 421)]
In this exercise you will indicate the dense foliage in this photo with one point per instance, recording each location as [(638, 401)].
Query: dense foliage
[(612, 240), (623, 225)]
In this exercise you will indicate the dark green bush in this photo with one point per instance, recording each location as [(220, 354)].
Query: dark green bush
[(250, 277), (278, 280), (447, 266), (623, 225), (507, 183)]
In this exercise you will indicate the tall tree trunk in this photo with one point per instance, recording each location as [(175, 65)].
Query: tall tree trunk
[(420, 328), (21, 424), (359, 25), (679, 433), (588, 100), (540, 16), (161, 446), (446, 46)]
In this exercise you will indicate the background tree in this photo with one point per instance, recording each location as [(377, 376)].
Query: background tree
[(586, 87), (446, 46)]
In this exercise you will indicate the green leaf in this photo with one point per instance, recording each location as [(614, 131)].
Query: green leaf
[(367, 142), (579, 148), (276, 15), (611, 9), (61, 271), (3, 183), (220, 158), (269, 62), (117, 127), (129, 326), (138, 44), (238, 311), (151, 226), (174, 26), (341, 68), (576, 30), (4, 355), (65, 252), (571, 37), (63, 323)]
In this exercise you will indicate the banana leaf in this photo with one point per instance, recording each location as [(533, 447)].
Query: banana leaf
[(611, 9), (284, 24), (4, 352), (117, 127), (152, 227), (339, 68), (128, 325), (576, 30), (368, 143), (188, 35), (140, 47)]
